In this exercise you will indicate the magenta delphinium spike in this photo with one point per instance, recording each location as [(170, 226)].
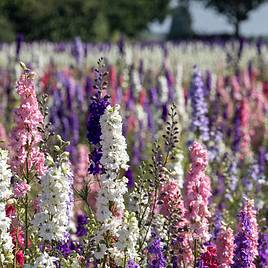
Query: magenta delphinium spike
[(208, 258), (225, 247), (246, 239), (197, 191), (26, 137)]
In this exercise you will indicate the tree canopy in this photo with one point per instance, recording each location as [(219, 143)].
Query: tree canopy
[(235, 11), (92, 20)]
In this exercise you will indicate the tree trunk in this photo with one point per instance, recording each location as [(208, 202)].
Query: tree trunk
[(237, 29)]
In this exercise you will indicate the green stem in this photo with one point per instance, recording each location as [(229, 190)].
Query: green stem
[(125, 260), (26, 202), (195, 253), (151, 220), (26, 221)]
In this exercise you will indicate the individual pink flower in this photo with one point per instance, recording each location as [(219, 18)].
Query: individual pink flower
[(21, 189), (225, 247), (10, 211), (197, 191), (3, 136), (25, 136)]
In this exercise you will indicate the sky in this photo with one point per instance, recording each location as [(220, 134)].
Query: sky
[(208, 21)]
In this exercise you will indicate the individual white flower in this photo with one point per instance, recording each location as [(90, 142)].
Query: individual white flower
[(56, 200), (177, 167)]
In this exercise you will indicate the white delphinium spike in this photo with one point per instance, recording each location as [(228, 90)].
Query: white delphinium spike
[(110, 200), (180, 101), (56, 201), (6, 245)]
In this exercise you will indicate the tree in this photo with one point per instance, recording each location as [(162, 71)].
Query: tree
[(92, 20), (236, 11), (181, 25)]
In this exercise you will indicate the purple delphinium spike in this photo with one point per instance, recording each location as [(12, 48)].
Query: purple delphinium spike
[(81, 230), (155, 250), (78, 50), (97, 108), (246, 239), (199, 124), (263, 249)]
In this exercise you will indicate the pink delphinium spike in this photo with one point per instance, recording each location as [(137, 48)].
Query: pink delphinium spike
[(225, 247), (25, 136), (80, 171), (81, 164), (197, 191), (170, 196), (245, 131)]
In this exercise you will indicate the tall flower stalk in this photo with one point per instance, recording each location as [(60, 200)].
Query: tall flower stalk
[(56, 200), (200, 123), (27, 160), (246, 239), (225, 247), (110, 199), (197, 192)]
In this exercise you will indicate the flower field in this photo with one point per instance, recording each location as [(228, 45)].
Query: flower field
[(134, 155)]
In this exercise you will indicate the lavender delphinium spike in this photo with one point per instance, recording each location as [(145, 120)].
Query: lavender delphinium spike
[(246, 239), (199, 123), (78, 50), (263, 249)]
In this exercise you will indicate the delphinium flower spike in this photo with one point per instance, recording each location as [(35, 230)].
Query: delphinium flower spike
[(97, 108), (246, 239)]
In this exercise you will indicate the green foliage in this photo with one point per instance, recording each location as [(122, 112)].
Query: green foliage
[(6, 33), (92, 20)]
